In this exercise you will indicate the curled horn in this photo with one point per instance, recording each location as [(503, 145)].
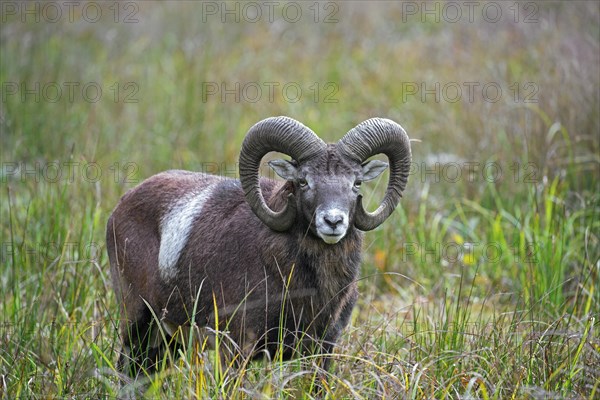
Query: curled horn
[(284, 135), (371, 137)]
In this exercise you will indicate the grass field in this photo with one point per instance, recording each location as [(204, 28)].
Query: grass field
[(484, 283)]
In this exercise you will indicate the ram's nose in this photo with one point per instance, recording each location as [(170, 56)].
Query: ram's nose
[(333, 220)]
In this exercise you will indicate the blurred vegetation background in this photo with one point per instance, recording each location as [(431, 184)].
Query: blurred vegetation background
[(503, 98)]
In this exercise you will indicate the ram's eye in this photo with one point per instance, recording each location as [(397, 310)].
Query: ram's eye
[(357, 184), (302, 182)]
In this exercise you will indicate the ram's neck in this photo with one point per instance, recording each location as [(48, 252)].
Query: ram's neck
[(334, 266)]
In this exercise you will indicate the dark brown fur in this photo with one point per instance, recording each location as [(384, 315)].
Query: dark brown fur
[(232, 258)]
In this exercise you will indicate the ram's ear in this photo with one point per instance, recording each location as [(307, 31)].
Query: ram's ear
[(284, 169), (372, 169)]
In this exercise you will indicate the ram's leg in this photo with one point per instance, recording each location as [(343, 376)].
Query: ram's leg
[(324, 362), (337, 325), (143, 346), (324, 350)]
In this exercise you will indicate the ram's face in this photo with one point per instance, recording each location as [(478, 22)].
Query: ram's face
[(326, 190)]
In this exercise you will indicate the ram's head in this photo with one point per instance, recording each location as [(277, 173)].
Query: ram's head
[(326, 178)]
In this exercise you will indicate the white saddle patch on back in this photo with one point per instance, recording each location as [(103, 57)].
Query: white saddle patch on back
[(175, 228)]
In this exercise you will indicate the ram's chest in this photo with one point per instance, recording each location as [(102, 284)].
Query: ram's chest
[(332, 280)]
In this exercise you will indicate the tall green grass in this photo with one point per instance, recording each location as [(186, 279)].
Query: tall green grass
[(481, 286)]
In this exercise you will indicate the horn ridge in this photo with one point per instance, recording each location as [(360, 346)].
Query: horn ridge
[(284, 135), (371, 137)]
